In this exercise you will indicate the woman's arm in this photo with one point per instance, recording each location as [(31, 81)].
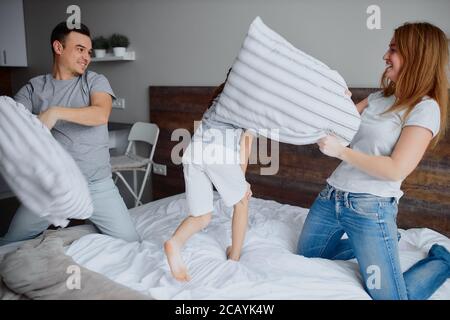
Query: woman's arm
[(408, 152)]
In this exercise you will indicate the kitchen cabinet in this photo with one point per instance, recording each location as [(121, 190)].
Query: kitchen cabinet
[(13, 52)]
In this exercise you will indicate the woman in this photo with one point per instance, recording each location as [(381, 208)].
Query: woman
[(361, 197)]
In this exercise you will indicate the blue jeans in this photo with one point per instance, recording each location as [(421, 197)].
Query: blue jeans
[(110, 216), (370, 224)]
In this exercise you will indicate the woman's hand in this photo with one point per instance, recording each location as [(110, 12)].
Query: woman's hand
[(331, 147)]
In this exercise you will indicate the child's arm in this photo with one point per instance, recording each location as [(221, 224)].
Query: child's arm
[(362, 105), (246, 149)]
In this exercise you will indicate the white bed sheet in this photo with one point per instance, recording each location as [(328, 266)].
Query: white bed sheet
[(268, 268)]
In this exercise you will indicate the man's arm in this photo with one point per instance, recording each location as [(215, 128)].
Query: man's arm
[(23, 96), (94, 115)]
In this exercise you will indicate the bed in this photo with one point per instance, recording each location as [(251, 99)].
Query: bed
[(268, 268)]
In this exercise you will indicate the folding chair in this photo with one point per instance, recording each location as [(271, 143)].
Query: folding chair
[(130, 161)]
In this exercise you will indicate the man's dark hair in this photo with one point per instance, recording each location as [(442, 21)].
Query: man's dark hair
[(61, 31)]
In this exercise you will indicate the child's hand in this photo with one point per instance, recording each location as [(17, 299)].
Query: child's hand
[(249, 192), (348, 93)]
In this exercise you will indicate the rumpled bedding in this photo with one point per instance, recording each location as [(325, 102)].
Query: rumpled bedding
[(40, 269), (268, 268)]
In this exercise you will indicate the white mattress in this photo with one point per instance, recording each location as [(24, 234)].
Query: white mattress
[(268, 268)]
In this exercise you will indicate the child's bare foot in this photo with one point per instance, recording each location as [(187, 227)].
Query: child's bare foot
[(176, 263), (231, 255)]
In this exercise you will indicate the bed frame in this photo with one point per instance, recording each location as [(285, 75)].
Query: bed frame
[(302, 169)]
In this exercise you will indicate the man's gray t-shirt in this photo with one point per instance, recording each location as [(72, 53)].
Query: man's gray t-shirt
[(88, 145)]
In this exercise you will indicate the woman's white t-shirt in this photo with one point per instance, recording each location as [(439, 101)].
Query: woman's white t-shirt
[(378, 135)]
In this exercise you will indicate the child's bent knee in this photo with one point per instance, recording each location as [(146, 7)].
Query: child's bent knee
[(204, 219), (243, 202)]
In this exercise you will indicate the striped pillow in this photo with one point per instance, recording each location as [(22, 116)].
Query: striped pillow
[(273, 85), (39, 171)]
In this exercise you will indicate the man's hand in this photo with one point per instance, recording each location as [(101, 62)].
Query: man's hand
[(331, 146), (49, 117)]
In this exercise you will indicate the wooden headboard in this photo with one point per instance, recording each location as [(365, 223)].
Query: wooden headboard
[(302, 169)]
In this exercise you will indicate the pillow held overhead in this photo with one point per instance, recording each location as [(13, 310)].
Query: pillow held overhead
[(273, 85), (39, 171)]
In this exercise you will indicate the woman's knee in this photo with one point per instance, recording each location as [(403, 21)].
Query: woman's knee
[(389, 293), (305, 248)]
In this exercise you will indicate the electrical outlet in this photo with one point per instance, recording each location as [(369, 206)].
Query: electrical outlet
[(119, 103), (160, 169)]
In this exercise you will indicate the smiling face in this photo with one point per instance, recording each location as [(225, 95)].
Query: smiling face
[(393, 61), (74, 53)]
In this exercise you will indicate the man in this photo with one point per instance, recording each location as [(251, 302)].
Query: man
[(75, 105)]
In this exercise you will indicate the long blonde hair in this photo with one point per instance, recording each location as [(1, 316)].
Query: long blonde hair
[(423, 49)]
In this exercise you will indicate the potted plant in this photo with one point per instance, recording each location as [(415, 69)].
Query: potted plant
[(119, 43), (100, 45)]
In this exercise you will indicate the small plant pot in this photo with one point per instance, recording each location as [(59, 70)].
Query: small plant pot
[(119, 51), (100, 53)]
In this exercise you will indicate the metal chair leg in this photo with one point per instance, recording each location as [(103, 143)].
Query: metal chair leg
[(135, 181), (144, 181), (127, 185)]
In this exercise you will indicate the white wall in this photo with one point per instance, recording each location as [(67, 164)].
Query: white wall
[(193, 42)]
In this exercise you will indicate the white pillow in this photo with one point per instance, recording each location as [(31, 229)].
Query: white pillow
[(273, 85), (41, 173)]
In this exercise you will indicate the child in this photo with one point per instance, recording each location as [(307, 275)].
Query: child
[(211, 159)]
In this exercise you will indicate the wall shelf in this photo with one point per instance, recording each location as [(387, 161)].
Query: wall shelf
[(129, 56)]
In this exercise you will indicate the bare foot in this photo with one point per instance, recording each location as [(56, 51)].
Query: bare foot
[(176, 263), (231, 255)]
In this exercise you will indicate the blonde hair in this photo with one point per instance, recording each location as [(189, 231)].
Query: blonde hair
[(423, 49)]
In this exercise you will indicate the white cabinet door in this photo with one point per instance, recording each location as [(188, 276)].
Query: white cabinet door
[(13, 52)]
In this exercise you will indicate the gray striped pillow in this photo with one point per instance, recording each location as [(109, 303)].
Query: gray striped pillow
[(40, 172), (273, 85)]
